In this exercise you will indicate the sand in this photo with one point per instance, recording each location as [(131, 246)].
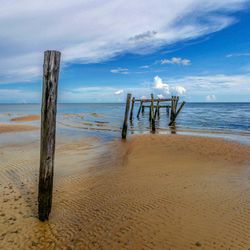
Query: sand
[(26, 118), (7, 128), (151, 192)]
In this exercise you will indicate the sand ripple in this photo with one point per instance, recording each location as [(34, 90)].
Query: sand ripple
[(134, 196)]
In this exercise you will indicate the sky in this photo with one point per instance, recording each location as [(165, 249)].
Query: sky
[(199, 50)]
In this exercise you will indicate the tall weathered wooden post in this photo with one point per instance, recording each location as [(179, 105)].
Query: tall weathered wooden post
[(152, 120), (132, 109), (51, 68), (125, 123)]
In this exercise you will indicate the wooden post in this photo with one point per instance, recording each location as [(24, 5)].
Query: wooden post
[(152, 114), (155, 113), (172, 109), (48, 132), (125, 123), (142, 108), (167, 111), (157, 110), (180, 108), (132, 109), (172, 122), (177, 113), (139, 111), (176, 104)]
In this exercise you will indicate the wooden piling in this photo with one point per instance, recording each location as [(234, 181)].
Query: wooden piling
[(172, 122), (167, 111), (139, 110), (132, 109), (125, 123), (155, 113), (48, 132), (172, 109), (176, 104), (157, 110), (152, 114), (180, 108)]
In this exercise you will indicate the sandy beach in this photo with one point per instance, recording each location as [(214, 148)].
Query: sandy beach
[(151, 192), (13, 127), (7, 128), (26, 118), (125, 125)]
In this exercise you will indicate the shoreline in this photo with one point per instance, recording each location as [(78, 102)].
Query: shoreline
[(22, 124), (10, 128), (160, 191)]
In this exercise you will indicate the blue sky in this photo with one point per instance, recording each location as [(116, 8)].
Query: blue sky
[(198, 50)]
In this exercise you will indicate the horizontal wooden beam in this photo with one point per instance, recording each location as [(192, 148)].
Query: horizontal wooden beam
[(156, 100), (155, 106)]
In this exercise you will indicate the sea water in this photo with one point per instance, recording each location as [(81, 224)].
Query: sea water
[(227, 120)]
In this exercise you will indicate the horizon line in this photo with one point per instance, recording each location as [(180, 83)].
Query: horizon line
[(38, 103)]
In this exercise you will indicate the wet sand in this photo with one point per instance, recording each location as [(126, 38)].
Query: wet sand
[(26, 118), (151, 192), (8, 128)]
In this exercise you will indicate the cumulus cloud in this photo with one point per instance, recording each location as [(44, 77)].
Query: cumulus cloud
[(210, 98), (123, 71), (179, 90), (92, 31), (119, 92), (166, 88), (176, 60), (159, 84)]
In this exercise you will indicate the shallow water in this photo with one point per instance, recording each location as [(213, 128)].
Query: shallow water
[(227, 120)]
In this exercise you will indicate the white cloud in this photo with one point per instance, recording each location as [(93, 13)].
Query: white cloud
[(144, 67), (218, 82), (166, 88), (101, 94), (179, 90), (123, 71), (210, 98), (20, 96), (223, 87), (160, 96), (119, 92), (176, 60), (159, 84), (238, 54), (88, 31)]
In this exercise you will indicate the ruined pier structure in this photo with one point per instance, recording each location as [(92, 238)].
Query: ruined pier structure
[(154, 106)]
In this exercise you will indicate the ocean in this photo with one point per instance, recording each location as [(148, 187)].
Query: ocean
[(227, 120)]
